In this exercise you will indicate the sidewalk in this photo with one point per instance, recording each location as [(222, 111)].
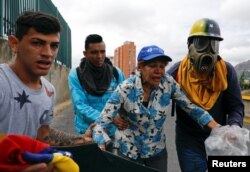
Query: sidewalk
[(61, 107), (64, 118), (247, 120)]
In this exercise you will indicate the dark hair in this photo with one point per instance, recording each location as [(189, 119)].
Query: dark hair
[(41, 22), (93, 38)]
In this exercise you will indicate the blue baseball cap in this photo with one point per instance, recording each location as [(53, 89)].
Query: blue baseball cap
[(152, 52)]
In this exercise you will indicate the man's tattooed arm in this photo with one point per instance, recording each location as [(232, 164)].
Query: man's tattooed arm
[(55, 137)]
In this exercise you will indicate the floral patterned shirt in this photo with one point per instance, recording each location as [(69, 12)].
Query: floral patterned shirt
[(145, 137)]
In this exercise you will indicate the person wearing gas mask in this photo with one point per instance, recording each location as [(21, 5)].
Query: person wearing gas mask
[(209, 82)]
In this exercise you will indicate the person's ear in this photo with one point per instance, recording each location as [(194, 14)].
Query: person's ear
[(140, 66), (13, 42), (84, 53)]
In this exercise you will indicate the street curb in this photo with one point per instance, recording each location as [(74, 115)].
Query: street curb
[(61, 106), (246, 120)]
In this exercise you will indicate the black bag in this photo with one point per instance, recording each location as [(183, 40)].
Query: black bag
[(91, 159)]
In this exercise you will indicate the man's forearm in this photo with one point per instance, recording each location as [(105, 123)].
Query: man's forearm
[(56, 137)]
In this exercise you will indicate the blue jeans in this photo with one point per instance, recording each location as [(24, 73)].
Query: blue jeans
[(158, 162), (191, 161)]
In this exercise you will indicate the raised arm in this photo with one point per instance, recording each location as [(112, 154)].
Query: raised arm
[(201, 116)]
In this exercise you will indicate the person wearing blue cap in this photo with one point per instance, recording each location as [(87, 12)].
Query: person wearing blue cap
[(145, 96)]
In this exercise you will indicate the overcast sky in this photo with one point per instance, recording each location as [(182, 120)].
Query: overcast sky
[(165, 23)]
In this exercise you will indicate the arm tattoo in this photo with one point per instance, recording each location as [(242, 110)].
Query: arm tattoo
[(59, 138)]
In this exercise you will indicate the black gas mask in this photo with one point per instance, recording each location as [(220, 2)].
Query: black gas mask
[(203, 53)]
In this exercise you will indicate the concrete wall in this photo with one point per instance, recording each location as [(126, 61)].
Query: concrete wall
[(5, 52), (58, 74)]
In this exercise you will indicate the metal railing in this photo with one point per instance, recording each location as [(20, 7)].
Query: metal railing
[(11, 9)]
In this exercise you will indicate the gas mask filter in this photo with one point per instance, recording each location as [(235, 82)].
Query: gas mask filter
[(203, 54)]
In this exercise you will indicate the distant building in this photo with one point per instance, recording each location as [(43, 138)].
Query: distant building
[(125, 58)]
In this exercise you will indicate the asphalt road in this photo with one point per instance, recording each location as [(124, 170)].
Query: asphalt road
[(65, 121)]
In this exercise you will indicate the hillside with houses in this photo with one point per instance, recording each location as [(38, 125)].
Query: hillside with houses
[(243, 67), (243, 73)]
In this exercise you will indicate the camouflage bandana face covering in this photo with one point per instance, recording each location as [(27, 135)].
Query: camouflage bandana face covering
[(203, 62)]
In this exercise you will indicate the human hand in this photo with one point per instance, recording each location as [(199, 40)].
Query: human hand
[(41, 167), (102, 147), (213, 124), (87, 136), (121, 123)]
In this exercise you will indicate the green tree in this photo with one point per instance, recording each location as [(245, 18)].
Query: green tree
[(242, 80)]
